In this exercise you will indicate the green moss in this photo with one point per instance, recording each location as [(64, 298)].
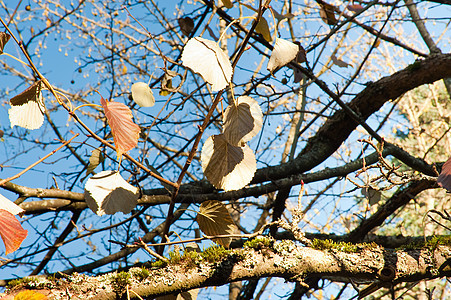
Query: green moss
[(175, 256), (414, 67), (159, 264), (341, 246), (119, 282), (259, 243), (21, 282), (430, 244), (214, 253), (142, 273)]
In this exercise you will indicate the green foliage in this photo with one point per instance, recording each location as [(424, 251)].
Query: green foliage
[(341, 246), (259, 242), (430, 244), (142, 273), (21, 282), (214, 253), (159, 264), (119, 281)]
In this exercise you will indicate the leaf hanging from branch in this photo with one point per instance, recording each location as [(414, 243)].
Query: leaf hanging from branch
[(226, 166), (444, 179), (214, 219), (284, 51), (142, 94), (242, 122), (327, 13), (11, 231), (108, 193), (4, 38), (27, 109), (263, 29), (209, 60), (125, 132), (186, 25)]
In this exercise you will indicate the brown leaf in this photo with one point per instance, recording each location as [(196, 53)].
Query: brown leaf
[(327, 13), (125, 132), (263, 29), (11, 231), (226, 166), (94, 160), (214, 219), (4, 38), (444, 179), (27, 109), (186, 25), (242, 122)]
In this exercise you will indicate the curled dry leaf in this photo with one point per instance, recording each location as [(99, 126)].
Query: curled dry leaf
[(125, 132), (339, 62), (207, 58), (27, 109), (263, 29), (227, 3), (226, 166), (11, 231), (444, 179), (355, 7), (142, 94), (281, 17), (284, 51), (186, 25), (214, 219), (108, 193), (327, 13), (373, 196), (242, 122), (4, 38), (10, 206)]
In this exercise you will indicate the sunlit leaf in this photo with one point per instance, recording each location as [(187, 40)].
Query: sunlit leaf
[(263, 28), (209, 60), (281, 17), (30, 295), (142, 94), (108, 193), (284, 51), (213, 218), (10, 206), (227, 3), (11, 231), (373, 196), (339, 62), (186, 25), (226, 166), (444, 179), (95, 159), (4, 38), (166, 86), (355, 7), (125, 132), (327, 13), (27, 108), (242, 122)]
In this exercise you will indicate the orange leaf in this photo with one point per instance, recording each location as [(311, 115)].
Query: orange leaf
[(125, 132), (11, 231), (30, 295)]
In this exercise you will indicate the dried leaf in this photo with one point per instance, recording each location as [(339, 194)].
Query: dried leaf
[(142, 94), (186, 25), (94, 160), (207, 58), (339, 62), (227, 3), (27, 108), (355, 7), (166, 85), (30, 295), (107, 193), (214, 219), (263, 29), (125, 132), (444, 179), (281, 17), (11, 231), (284, 51), (242, 122), (10, 206), (302, 55), (211, 33), (226, 166), (327, 13), (373, 196), (4, 38)]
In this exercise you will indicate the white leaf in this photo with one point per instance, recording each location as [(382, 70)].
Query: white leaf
[(226, 166), (206, 58), (242, 122), (107, 193), (142, 94), (10, 206), (27, 108), (284, 51)]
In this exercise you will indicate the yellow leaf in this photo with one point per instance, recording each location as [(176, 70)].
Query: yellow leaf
[(30, 295)]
